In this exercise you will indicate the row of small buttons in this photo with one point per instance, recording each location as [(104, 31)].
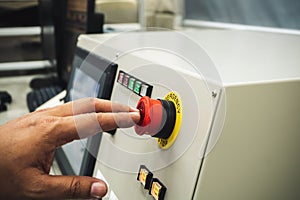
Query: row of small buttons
[(156, 187), (137, 86)]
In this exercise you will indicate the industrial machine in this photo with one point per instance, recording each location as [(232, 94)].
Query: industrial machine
[(219, 115)]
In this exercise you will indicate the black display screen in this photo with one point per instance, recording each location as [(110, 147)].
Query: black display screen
[(92, 76)]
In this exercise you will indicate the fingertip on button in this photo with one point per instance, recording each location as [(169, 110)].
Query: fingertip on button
[(157, 117)]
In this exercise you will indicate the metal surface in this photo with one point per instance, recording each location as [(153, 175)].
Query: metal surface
[(20, 31), (256, 154), (25, 65)]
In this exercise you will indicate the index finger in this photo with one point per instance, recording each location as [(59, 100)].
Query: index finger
[(86, 125), (88, 105)]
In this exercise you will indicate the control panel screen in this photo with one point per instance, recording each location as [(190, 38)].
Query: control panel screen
[(92, 76), (83, 81)]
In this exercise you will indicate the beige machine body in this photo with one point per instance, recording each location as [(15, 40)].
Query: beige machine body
[(248, 149)]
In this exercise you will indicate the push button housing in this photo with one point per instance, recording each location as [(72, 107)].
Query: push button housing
[(158, 117), (145, 177), (157, 190)]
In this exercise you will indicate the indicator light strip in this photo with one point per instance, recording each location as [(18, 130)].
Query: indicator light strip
[(134, 84)]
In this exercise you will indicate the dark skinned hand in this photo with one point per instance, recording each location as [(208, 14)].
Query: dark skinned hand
[(28, 144)]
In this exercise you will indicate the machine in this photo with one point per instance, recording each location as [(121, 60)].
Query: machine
[(220, 115)]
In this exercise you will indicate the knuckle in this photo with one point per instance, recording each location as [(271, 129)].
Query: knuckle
[(47, 123), (43, 110), (94, 102), (101, 121), (34, 190), (75, 188), (91, 100), (47, 120), (30, 121), (107, 123)]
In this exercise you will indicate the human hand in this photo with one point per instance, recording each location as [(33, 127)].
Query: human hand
[(28, 144)]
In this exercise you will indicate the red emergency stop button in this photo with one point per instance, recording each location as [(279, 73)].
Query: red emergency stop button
[(151, 112), (157, 117)]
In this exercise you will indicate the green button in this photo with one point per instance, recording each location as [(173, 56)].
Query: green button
[(131, 83), (137, 87)]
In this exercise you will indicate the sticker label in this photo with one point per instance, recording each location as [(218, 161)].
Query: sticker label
[(172, 96), (158, 190), (143, 176), (167, 143), (155, 190)]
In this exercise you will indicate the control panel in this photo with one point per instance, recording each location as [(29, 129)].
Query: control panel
[(194, 141), (159, 158)]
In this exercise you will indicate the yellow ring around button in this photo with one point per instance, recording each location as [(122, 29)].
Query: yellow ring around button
[(167, 143)]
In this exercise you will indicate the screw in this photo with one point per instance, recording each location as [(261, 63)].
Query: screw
[(214, 93)]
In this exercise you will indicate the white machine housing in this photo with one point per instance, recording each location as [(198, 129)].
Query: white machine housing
[(256, 153)]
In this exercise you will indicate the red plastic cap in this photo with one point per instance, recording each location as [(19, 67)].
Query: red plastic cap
[(151, 111)]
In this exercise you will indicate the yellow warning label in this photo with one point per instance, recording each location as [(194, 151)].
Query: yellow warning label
[(167, 143)]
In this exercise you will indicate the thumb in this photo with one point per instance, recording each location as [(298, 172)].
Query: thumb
[(74, 187)]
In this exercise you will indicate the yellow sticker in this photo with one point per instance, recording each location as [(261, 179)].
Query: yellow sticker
[(155, 190), (167, 143), (143, 176)]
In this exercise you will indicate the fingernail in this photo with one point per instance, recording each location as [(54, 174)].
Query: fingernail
[(135, 112), (98, 190), (135, 116), (134, 109)]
